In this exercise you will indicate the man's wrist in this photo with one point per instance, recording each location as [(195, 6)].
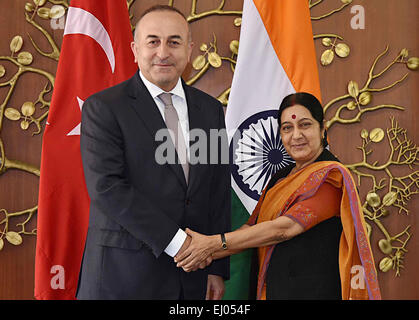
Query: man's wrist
[(177, 243)]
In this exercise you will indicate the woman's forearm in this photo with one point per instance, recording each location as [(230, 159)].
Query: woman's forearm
[(221, 253), (259, 235)]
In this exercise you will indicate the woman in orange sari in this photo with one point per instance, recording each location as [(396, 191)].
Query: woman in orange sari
[(308, 225)]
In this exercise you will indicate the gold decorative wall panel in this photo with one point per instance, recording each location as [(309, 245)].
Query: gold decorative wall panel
[(369, 86)]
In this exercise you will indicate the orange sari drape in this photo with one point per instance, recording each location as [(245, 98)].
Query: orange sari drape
[(354, 246)]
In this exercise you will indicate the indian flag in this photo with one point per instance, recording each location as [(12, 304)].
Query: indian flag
[(276, 57)]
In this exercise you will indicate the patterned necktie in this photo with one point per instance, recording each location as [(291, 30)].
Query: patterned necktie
[(172, 123)]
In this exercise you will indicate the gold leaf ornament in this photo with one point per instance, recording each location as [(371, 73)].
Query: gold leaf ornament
[(376, 135), (14, 238), (404, 53), (413, 63), (373, 199), (24, 125), (353, 89), (12, 114), (28, 108), (214, 59), (198, 62), (351, 105), (238, 22), (342, 50), (364, 134), (29, 7), (25, 58), (385, 264), (1, 244), (389, 198), (16, 44), (234, 46), (326, 42), (385, 246), (39, 3), (384, 211), (365, 98), (44, 13), (203, 47), (2, 71), (327, 57)]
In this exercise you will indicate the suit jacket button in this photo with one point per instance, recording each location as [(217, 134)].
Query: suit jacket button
[(187, 202)]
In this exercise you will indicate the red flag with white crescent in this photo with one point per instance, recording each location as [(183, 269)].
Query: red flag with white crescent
[(95, 54)]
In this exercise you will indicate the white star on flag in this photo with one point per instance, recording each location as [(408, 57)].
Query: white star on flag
[(76, 130)]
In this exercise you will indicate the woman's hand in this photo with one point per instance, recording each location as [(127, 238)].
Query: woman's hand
[(198, 254)]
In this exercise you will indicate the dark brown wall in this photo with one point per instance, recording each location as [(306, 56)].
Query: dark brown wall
[(393, 23)]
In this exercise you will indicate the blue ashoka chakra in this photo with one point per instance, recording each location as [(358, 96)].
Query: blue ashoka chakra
[(257, 152)]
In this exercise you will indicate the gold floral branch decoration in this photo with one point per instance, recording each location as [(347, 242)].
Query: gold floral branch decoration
[(362, 97), (23, 61), (56, 12), (210, 57), (342, 50), (193, 15), (311, 4), (400, 189), (14, 237), (25, 115)]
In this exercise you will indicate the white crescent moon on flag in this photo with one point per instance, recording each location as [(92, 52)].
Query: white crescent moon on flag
[(76, 130), (80, 21)]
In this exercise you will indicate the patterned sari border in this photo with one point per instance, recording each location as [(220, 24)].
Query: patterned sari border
[(308, 188)]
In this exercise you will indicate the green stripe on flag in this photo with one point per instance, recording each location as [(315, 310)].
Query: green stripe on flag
[(237, 288)]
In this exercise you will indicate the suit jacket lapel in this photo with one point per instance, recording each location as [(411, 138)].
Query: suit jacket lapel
[(145, 107), (196, 121)]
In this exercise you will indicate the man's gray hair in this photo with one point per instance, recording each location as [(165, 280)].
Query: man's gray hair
[(162, 7)]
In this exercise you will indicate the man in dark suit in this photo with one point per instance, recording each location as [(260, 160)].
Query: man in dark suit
[(140, 207)]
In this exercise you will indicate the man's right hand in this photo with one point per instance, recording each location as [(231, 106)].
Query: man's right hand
[(184, 246)]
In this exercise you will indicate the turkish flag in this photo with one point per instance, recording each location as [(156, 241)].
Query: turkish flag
[(95, 54)]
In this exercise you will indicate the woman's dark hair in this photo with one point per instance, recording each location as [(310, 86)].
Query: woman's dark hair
[(308, 101)]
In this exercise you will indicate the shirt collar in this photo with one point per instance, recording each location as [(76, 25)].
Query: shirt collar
[(155, 90)]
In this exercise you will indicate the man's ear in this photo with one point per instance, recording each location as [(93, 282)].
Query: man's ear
[(134, 50)]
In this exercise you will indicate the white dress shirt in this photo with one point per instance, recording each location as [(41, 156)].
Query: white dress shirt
[(179, 103)]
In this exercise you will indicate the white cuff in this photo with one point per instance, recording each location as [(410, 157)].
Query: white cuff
[(174, 246)]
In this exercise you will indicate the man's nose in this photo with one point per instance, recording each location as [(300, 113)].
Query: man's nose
[(163, 51)]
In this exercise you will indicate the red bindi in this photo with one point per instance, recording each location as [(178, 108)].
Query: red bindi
[(293, 116)]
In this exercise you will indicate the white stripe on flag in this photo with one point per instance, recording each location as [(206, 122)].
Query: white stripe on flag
[(259, 84)]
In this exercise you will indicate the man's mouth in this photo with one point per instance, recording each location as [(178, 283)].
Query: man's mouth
[(162, 64)]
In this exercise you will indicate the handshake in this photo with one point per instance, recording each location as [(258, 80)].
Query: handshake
[(198, 251)]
